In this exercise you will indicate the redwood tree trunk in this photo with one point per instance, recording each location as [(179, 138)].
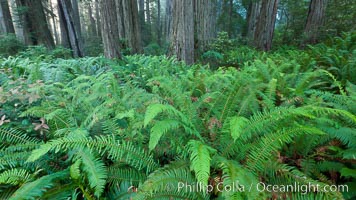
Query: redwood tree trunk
[(92, 24), (168, 20), (98, 18), (110, 31), (53, 18), (205, 22), (183, 30), (128, 23), (314, 20), (158, 24), (35, 23), (70, 27), (265, 25), (252, 14), (6, 25)]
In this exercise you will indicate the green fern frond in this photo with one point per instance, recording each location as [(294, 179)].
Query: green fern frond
[(154, 109), (15, 176), (37, 188), (165, 182), (237, 126), (159, 129), (200, 157), (14, 136), (263, 150), (236, 175), (346, 135), (74, 170), (94, 169), (117, 175), (103, 145)]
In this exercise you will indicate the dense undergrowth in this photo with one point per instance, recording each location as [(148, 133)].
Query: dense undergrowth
[(146, 127)]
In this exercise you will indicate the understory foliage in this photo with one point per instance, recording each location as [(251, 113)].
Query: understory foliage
[(149, 127)]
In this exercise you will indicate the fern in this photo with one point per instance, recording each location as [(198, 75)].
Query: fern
[(159, 129), (37, 188), (15, 177), (14, 136), (200, 160), (115, 150), (167, 183), (95, 170)]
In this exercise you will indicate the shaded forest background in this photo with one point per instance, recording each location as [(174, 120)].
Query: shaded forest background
[(174, 27)]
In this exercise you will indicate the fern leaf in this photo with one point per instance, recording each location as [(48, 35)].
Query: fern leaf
[(14, 176), (14, 136), (35, 189), (95, 170), (154, 109), (159, 129), (237, 126), (74, 169), (200, 160)]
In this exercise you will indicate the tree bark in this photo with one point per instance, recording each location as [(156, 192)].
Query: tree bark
[(253, 12), (35, 23), (168, 20), (98, 18), (6, 25), (148, 20), (92, 24), (205, 23), (158, 24), (71, 28), (53, 18), (183, 30), (265, 25), (128, 22), (314, 20), (110, 31), (141, 16)]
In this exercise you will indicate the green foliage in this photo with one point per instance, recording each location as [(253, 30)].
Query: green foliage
[(61, 52), (149, 127), (338, 57), (10, 45), (153, 49)]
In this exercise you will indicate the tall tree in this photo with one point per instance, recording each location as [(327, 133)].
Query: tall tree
[(141, 16), (6, 25), (110, 30), (253, 12), (70, 27), (183, 30), (54, 23), (128, 23), (34, 22), (265, 25), (314, 20), (92, 24), (158, 24), (132, 29), (168, 19), (148, 19), (98, 18), (205, 22)]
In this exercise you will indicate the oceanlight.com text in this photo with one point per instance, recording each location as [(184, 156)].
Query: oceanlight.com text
[(261, 187)]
